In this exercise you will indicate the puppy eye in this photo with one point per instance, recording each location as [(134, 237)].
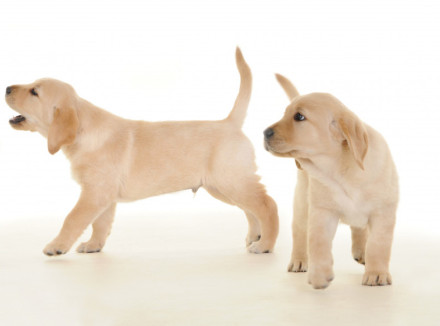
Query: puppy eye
[(299, 117), (33, 92)]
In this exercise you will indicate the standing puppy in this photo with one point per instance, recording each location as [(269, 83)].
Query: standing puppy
[(114, 159), (346, 174)]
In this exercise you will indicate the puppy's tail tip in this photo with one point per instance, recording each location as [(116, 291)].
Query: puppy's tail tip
[(238, 113), (241, 63)]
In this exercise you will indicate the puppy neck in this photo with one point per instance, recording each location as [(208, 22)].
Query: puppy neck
[(324, 166), (95, 129)]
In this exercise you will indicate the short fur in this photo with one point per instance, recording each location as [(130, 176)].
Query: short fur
[(346, 173), (114, 159)]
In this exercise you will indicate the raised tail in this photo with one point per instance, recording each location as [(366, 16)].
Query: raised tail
[(238, 113)]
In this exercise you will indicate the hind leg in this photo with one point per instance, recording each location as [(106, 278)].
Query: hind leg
[(264, 210), (250, 195), (254, 232)]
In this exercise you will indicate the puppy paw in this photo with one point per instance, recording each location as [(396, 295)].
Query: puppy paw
[(377, 279), (297, 266), (359, 255), (90, 246), (56, 248), (252, 238), (259, 247), (320, 279)]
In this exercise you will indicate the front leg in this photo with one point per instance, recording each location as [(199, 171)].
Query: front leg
[(101, 230), (378, 249), (322, 229), (90, 205), (299, 260)]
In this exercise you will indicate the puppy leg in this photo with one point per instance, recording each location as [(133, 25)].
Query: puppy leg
[(101, 230), (250, 195), (322, 229), (254, 233), (359, 239), (298, 261), (265, 211), (378, 249), (90, 205)]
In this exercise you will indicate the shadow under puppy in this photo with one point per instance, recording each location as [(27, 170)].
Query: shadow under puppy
[(118, 160), (345, 173)]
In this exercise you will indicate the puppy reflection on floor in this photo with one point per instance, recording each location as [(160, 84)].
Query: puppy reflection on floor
[(345, 173), (114, 159)]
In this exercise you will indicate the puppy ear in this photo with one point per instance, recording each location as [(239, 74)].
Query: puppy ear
[(288, 87), (63, 129), (356, 136)]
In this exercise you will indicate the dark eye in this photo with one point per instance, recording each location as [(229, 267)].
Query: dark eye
[(299, 117), (33, 92)]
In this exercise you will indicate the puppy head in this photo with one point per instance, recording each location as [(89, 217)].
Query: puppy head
[(316, 124), (48, 106)]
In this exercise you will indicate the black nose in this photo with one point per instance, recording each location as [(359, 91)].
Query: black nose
[(268, 133), (8, 90)]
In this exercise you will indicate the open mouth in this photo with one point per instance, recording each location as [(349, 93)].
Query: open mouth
[(16, 120)]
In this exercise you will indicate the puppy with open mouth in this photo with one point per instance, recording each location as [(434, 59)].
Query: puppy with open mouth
[(345, 173), (115, 159)]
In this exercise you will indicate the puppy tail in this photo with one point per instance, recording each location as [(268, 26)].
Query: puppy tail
[(238, 113)]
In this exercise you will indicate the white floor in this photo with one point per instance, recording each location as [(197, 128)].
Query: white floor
[(163, 268)]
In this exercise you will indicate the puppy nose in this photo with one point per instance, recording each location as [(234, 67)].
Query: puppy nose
[(268, 133), (8, 90)]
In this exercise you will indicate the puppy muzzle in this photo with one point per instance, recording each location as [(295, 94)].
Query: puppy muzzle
[(10, 100)]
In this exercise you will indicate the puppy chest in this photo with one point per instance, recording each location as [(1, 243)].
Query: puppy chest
[(354, 209), (350, 206)]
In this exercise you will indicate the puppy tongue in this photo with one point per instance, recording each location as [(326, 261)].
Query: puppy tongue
[(17, 119)]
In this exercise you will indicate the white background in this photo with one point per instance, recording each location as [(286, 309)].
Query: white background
[(174, 257), (174, 60)]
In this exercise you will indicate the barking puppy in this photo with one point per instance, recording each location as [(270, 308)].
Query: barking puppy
[(346, 174), (114, 159)]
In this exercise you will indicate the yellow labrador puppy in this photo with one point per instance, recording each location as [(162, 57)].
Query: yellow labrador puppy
[(118, 160), (346, 174)]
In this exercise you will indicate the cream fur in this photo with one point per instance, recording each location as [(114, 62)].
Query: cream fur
[(115, 159), (346, 173)]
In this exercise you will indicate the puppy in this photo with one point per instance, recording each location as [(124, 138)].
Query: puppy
[(118, 160), (346, 174)]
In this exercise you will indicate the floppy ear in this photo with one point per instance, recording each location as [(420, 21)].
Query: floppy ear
[(288, 87), (63, 129), (356, 136)]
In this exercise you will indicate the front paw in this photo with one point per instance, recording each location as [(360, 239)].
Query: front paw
[(320, 278), (298, 265), (89, 247), (56, 248), (377, 278)]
